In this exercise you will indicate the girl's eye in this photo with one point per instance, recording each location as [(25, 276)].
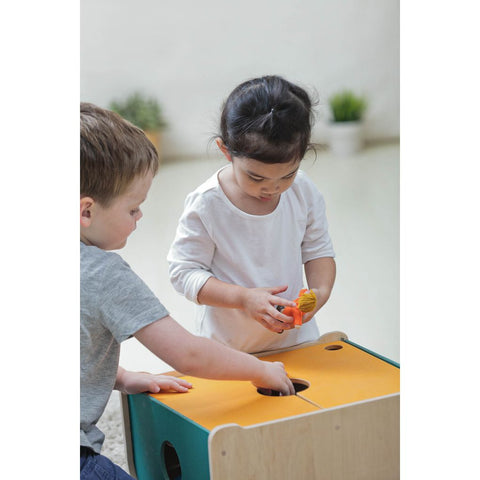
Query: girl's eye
[(256, 179), (134, 212)]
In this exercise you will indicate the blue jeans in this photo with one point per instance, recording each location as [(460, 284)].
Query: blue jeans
[(94, 466)]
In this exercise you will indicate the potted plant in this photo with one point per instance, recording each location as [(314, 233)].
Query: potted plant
[(145, 113), (346, 125)]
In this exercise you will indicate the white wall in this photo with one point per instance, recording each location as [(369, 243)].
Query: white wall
[(191, 54)]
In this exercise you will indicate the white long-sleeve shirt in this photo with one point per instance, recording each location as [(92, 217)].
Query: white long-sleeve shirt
[(215, 238)]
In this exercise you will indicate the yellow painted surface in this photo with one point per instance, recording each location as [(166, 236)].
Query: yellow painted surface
[(212, 402), (342, 376), (336, 377)]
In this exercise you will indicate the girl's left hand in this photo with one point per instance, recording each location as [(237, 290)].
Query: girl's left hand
[(321, 300)]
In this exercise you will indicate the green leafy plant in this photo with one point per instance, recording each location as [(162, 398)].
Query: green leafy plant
[(347, 107), (143, 112)]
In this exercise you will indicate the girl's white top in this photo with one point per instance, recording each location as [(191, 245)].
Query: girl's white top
[(215, 238)]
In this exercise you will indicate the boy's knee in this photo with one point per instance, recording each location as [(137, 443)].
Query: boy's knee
[(94, 466)]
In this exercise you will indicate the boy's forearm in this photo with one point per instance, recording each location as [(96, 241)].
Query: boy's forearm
[(198, 356), (221, 294), (320, 274), (210, 359)]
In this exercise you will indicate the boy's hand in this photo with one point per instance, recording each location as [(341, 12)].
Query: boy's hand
[(138, 382), (260, 303), (275, 378)]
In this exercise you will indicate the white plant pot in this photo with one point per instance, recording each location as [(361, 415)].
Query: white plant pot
[(345, 138)]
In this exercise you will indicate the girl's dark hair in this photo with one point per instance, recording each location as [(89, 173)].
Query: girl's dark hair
[(112, 153), (268, 119)]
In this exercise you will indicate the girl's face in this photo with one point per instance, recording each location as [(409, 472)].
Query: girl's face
[(263, 181)]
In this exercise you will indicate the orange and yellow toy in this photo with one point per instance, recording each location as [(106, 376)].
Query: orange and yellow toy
[(306, 302)]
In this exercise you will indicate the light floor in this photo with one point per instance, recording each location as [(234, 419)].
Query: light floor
[(362, 197)]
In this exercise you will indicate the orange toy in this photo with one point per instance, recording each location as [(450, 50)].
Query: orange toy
[(306, 302)]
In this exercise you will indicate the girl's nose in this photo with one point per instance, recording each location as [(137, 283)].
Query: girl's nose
[(271, 191)]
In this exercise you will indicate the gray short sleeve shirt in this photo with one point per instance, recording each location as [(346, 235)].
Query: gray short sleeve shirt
[(114, 304)]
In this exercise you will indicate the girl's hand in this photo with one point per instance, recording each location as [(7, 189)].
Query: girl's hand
[(321, 300), (138, 382), (275, 378), (260, 304), (320, 274)]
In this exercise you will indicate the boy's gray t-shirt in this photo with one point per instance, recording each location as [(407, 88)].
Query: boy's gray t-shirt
[(114, 304)]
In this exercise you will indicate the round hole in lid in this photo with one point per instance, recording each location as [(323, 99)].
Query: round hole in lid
[(333, 347), (298, 384)]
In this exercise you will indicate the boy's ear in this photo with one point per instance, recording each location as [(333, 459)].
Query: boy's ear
[(86, 204), (223, 148)]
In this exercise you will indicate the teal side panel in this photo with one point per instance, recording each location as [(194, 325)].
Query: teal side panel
[(381, 357), (152, 424)]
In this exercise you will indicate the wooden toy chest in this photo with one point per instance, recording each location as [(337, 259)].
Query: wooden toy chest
[(344, 424)]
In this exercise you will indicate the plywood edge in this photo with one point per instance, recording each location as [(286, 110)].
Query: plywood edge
[(335, 336), (127, 430), (355, 441), (328, 337), (227, 426)]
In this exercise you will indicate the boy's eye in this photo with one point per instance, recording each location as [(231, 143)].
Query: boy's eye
[(255, 179), (134, 211)]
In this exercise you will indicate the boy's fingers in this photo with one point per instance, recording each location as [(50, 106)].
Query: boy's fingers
[(181, 389), (170, 379), (154, 387), (175, 387), (184, 383), (166, 384), (291, 388)]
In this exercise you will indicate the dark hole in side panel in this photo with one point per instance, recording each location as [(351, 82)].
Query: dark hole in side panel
[(172, 463)]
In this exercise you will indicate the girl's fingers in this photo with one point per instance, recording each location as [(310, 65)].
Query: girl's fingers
[(307, 317), (282, 301), (281, 325), (271, 324), (279, 289), (280, 317)]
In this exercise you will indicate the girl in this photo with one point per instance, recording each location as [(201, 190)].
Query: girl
[(247, 231)]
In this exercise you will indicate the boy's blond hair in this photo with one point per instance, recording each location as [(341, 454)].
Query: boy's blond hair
[(112, 153)]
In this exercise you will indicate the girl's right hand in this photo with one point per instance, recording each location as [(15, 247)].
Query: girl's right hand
[(275, 378), (260, 304)]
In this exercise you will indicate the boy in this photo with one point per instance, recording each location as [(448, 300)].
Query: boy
[(118, 164)]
